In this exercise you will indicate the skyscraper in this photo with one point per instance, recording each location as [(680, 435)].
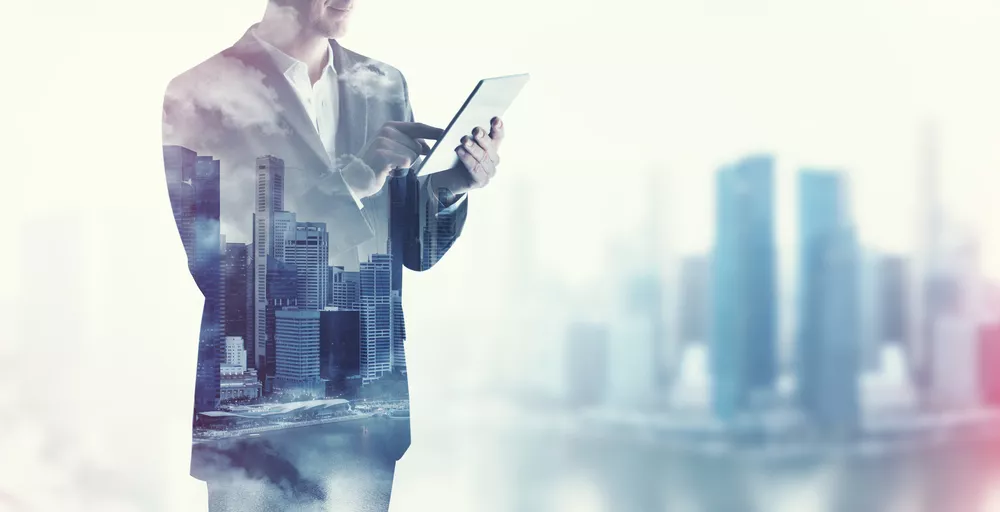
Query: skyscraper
[(744, 315), (894, 295), (439, 233), (376, 317), (236, 275), (307, 247), (404, 220), (281, 292), (269, 199), (345, 289), (193, 184), (340, 340), (297, 348), (829, 309)]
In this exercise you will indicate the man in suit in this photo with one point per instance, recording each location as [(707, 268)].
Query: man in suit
[(288, 149)]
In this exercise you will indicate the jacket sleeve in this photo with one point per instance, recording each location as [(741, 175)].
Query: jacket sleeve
[(436, 226)]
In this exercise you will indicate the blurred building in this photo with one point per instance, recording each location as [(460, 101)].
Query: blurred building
[(870, 308), (893, 294), (829, 334), (694, 299), (989, 364), (297, 348), (744, 314), (587, 359)]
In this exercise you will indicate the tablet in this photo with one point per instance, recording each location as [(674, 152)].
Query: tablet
[(490, 98)]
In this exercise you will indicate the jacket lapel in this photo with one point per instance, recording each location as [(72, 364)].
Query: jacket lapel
[(293, 113), (352, 125)]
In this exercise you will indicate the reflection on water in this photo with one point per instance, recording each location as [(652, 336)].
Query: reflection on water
[(500, 469)]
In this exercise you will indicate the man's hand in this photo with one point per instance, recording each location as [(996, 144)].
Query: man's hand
[(396, 145), (480, 157)]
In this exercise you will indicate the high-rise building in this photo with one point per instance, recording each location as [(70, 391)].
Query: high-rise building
[(829, 310), (297, 348), (837, 333), (404, 223), (340, 343), (308, 249), (193, 183), (236, 276), (376, 317), (694, 299), (345, 289), (269, 199), (439, 231), (744, 314), (587, 361), (398, 333), (281, 293)]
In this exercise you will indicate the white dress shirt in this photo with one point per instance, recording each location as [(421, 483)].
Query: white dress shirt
[(320, 100)]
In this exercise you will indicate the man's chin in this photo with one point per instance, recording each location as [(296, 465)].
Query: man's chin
[(335, 30)]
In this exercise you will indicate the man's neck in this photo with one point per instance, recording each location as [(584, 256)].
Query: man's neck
[(286, 34)]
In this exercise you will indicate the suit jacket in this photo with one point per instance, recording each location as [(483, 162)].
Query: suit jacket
[(236, 107)]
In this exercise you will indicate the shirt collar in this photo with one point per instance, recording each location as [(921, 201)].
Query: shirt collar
[(285, 62)]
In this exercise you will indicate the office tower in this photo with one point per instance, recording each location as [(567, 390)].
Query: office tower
[(989, 364), (837, 332), (307, 247), (237, 381), (586, 363), (404, 223), (281, 293), (269, 199), (694, 299), (339, 350), (296, 350), (345, 289), (439, 228), (284, 229), (193, 185), (398, 333), (744, 316), (376, 317), (179, 163), (829, 309), (236, 276)]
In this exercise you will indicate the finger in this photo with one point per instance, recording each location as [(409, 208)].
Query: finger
[(496, 131), (477, 175), (399, 147), (399, 137), (481, 138), (474, 149), (417, 130), (394, 159)]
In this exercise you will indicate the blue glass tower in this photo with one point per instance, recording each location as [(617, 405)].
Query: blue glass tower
[(829, 312), (744, 313)]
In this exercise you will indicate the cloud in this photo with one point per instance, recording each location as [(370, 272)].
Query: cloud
[(225, 87), (374, 80)]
